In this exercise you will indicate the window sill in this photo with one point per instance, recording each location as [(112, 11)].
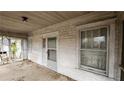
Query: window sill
[(82, 75)]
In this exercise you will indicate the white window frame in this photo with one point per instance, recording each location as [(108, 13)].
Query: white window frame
[(54, 49), (94, 70)]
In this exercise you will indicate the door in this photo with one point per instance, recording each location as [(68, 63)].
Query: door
[(122, 63), (52, 53)]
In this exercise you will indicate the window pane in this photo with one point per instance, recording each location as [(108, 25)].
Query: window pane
[(89, 39), (52, 55), (95, 59), (96, 39), (52, 42), (103, 41), (83, 40)]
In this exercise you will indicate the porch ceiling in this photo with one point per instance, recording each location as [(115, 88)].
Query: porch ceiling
[(11, 21)]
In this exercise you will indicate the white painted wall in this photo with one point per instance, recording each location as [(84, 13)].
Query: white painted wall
[(35, 50), (68, 46)]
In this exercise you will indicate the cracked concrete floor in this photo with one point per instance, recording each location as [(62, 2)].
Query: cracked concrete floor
[(29, 71)]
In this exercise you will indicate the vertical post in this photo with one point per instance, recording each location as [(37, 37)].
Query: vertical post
[(24, 49), (9, 47), (2, 44)]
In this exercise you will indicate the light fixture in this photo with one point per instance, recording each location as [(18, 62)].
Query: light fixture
[(24, 18)]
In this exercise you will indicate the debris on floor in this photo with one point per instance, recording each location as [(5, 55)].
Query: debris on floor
[(29, 71)]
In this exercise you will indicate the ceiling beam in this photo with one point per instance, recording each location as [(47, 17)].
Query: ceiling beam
[(12, 34)]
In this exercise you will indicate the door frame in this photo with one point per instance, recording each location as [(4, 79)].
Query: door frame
[(46, 36), (122, 61)]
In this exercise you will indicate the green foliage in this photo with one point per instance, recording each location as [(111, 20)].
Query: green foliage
[(14, 48)]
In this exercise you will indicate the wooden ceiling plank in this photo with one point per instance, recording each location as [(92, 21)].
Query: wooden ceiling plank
[(4, 18), (30, 23), (37, 15), (47, 16), (37, 19)]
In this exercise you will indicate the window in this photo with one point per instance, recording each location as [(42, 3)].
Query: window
[(52, 49), (93, 49)]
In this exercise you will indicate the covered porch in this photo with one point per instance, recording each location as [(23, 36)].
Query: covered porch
[(56, 45)]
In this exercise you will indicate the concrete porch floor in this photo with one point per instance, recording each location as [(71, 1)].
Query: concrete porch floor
[(28, 71)]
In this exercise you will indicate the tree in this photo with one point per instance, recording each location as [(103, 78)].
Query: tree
[(14, 49)]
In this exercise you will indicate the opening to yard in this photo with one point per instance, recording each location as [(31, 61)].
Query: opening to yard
[(10, 49)]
